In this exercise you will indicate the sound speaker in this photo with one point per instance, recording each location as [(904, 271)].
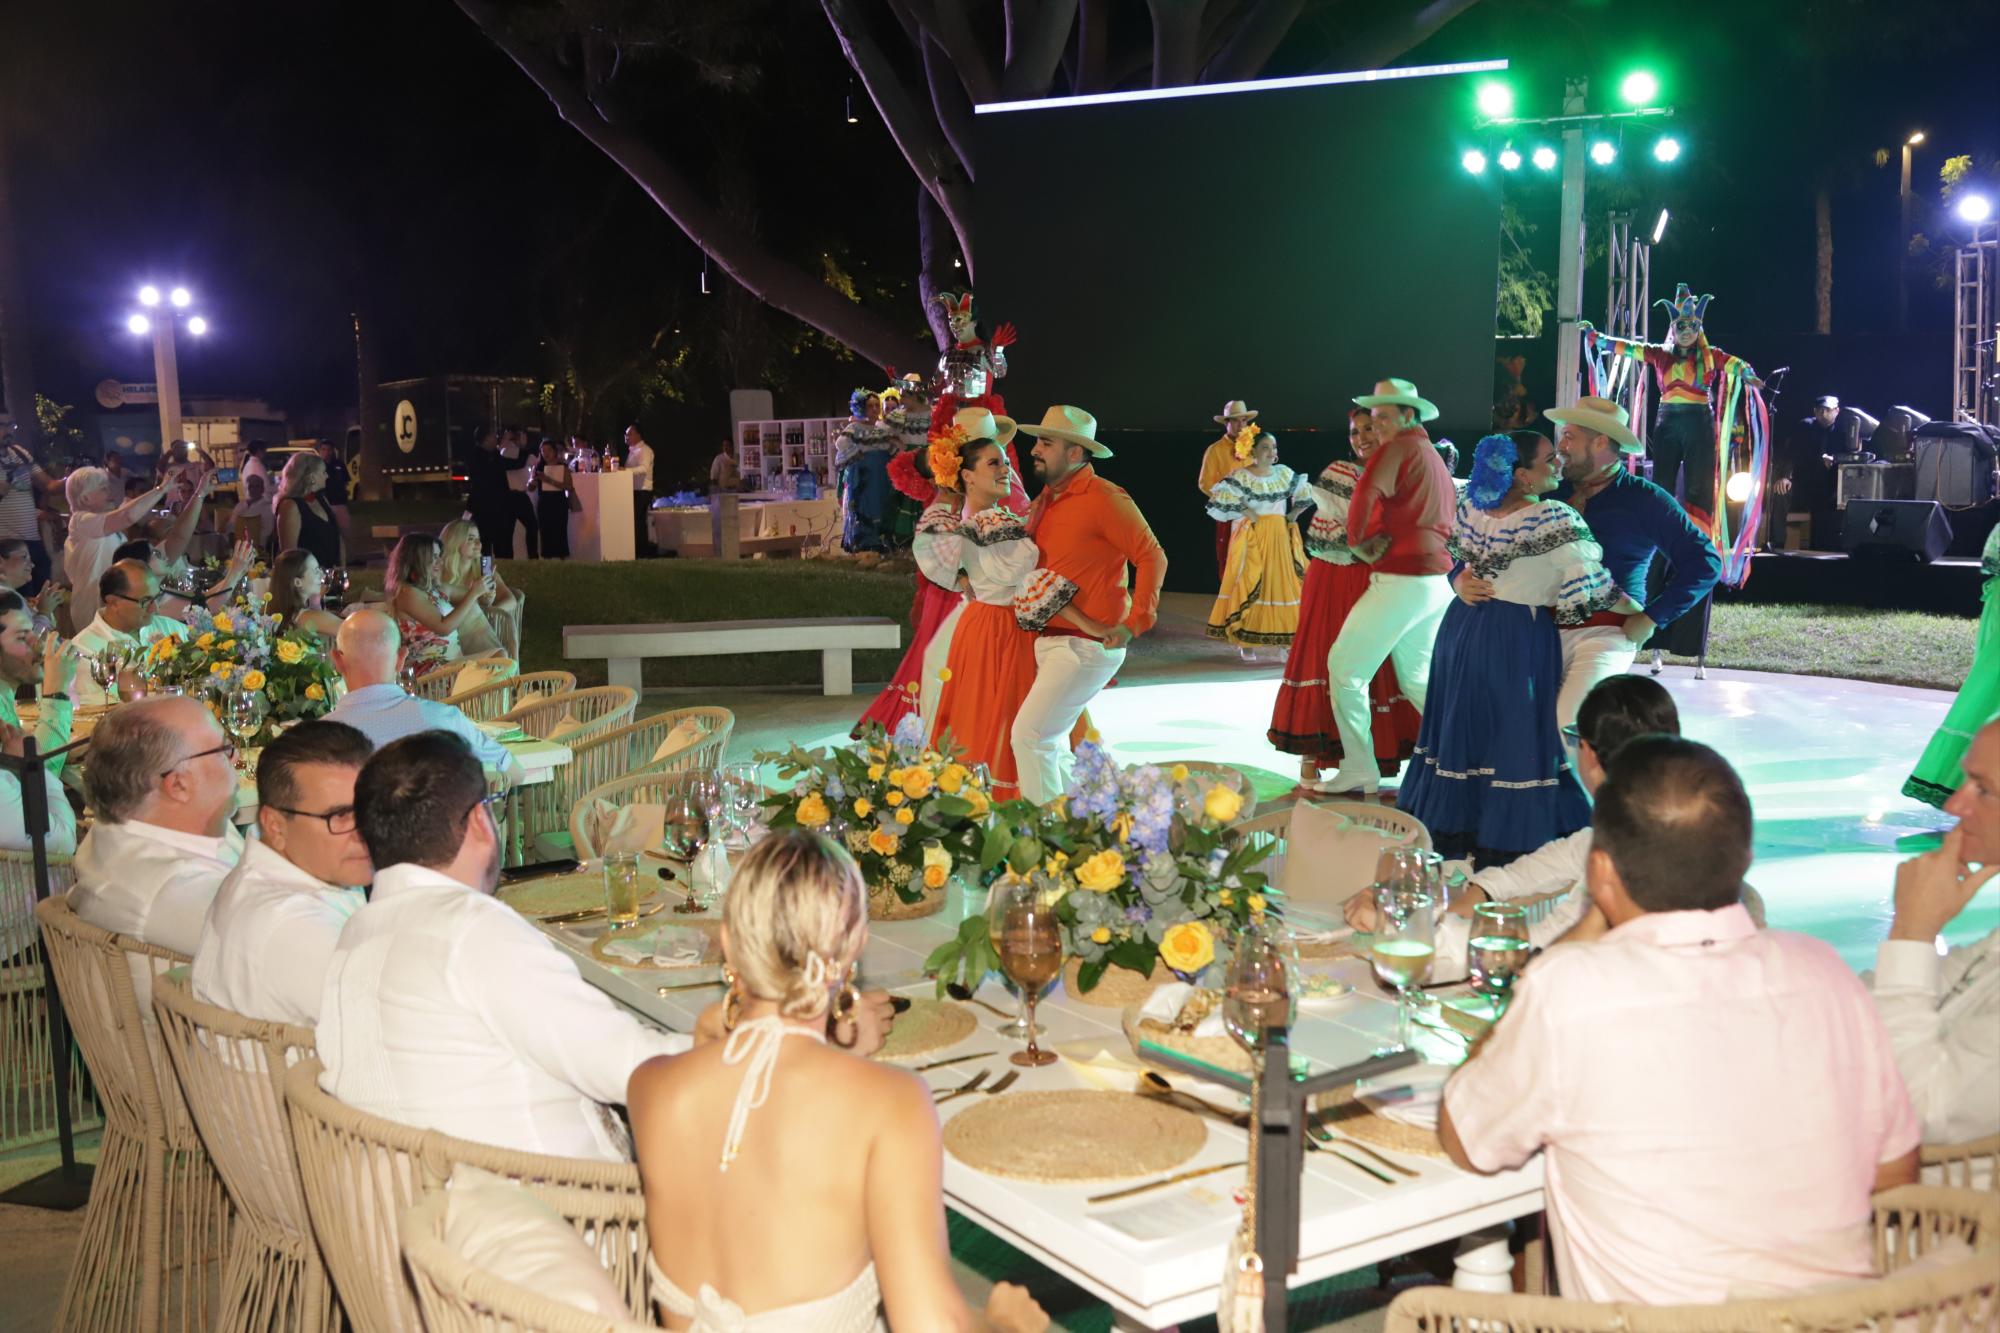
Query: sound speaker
[(1896, 527)]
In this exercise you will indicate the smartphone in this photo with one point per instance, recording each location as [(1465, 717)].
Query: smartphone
[(486, 566)]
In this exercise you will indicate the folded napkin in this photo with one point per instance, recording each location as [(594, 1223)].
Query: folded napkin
[(662, 946), (686, 732), (1409, 1096), (1164, 1006), (639, 827), (710, 870), (476, 673)]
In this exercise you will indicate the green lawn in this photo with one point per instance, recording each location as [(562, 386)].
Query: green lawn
[(1847, 642)]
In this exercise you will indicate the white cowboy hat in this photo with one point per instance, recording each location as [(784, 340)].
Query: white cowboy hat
[(1236, 407), (1603, 416), (980, 424), (1071, 424), (1399, 393)]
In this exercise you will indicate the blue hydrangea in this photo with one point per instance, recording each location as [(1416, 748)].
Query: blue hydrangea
[(1138, 914), (909, 733)]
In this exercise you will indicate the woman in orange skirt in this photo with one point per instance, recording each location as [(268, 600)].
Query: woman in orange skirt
[(973, 542)]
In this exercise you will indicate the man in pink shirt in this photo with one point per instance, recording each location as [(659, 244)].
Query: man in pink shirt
[(1715, 1103)]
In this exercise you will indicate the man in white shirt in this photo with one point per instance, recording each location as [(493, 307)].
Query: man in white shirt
[(163, 785), (1715, 1104), (272, 927), (369, 653), (97, 515), (639, 462), (128, 618), (520, 464), (1943, 1013), (54, 665)]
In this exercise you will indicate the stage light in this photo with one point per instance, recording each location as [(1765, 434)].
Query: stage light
[(197, 326), (1739, 488), (181, 298), (1639, 88), (1495, 100), (1545, 158), (1667, 148), (1660, 227), (1474, 161), (1604, 152), (1509, 159), (1975, 208), (139, 324), (1915, 139), (149, 295)]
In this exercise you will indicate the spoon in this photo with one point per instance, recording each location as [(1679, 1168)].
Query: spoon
[(961, 992)]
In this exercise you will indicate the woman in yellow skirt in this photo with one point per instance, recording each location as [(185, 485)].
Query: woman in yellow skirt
[(1259, 602)]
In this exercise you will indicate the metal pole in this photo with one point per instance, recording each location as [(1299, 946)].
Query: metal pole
[(1903, 249), (166, 379), (1569, 272)]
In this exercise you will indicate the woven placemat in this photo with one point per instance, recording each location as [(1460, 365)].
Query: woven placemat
[(1337, 949), (1073, 1138), (553, 895), (710, 957), (1347, 1114), (926, 1026), (1222, 1051)]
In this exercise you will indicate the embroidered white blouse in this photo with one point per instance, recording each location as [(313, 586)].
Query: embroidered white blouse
[(1326, 534), (993, 551), (1243, 494), (1539, 555)]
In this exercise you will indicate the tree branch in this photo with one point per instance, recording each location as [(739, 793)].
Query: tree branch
[(1093, 46), (1176, 41), (1035, 41), (949, 102), (1254, 42), (1381, 41), (947, 21), (774, 281), (934, 270)]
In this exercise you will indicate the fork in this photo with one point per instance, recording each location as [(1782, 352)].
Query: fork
[(971, 1085), (1319, 1134), (1006, 1082)]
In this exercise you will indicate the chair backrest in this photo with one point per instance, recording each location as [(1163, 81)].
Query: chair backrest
[(437, 683), (638, 789), (604, 756), (597, 709), (488, 702), (362, 1172), (134, 1079), (1974, 1164), (232, 1071), (1321, 878), (27, 1069), (458, 1297)]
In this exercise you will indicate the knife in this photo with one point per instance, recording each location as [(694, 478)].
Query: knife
[(1163, 1182), (954, 1060)]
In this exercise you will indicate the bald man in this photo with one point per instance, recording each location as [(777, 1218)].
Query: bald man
[(369, 655)]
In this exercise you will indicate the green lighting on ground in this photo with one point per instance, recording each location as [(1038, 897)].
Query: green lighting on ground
[(1640, 88), (1495, 100)]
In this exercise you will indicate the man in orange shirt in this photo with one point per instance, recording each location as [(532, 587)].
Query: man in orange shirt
[(1088, 531), (1217, 462)]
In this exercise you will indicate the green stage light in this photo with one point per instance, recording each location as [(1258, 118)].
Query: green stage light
[(1640, 88), (1474, 161), (1667, 149), (1603, 152), (1509, 159), (1495, 100), (1545, 158)]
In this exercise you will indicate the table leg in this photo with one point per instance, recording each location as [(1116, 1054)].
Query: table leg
[(837, 670), (1484, 1263)]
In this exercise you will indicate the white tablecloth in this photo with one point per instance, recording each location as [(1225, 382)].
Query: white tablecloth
[(674, 528)]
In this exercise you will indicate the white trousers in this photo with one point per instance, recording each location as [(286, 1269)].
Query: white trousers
[(1395, 620), (930, 681), (1590, 653), (1069, 671)]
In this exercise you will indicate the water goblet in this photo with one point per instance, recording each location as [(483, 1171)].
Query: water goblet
[(1404, 946), (242, 715), (1497, 951), (1260, 993), (1021, 920)]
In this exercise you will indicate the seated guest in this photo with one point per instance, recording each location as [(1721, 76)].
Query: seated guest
[(1615, 711), (444, 1008), (296, 578), (162, 786), (225, 590), (423, 613), (128, 619), (849, 1221), (496, 627), (1716, 1103), (368, 653), (1943, 1013), (273, 924), (22, 664), (17, 574), (98, 513)]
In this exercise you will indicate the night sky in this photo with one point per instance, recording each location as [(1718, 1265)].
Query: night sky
[(296, 162)]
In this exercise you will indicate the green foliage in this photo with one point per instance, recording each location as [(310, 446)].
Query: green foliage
[(1527, 294), (63, 441)]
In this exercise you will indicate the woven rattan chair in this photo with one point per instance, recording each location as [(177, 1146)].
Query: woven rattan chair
[(156, 1229), (488, 702), (440, 683), (1275, 828), (597, 709), (1974, 1164), (232, 1071), (605, 756), (27, 1069), (639, 789), (361, 1172), (1910, 1221), (457, 1297)]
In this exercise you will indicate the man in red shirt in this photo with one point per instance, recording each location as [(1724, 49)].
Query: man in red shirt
[(1088, 531), (1401, 513)]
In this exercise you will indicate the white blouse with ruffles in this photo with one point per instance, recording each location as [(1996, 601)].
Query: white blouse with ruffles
[(1539, 555), (992, 549), (1244, 494), (1326, 534)]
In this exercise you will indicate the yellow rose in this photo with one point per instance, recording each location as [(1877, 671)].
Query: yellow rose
[(935, 876), (163, 649), (1256, 901), (1188, 947), (812, 811), (1102, 872), (314, 692), (225, 645), (980, 805), (894, 798), (207, 640), (1102, 935), (863, 808), (290, 653), (1180, 773), (224, 623), (917, 783), (952, 780), (883, 843), (1221, 804), (219, 669), (1121, 824), (1226, 898), (253, 680), (906, 815), (875, 772), (935, 855)]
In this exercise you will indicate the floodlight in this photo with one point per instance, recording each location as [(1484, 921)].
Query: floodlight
[(197, 326), (1545, 158), (1667, 148), (1474, 161), (1915, 139), (1509, 159), (139, 324), (1604, 152), (1495, 100), (1639, 88), (1739, 488), (1660, 227), (181, 298), (1975, 208), (149, 295)]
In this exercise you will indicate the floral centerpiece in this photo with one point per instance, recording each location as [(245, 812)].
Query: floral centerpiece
[(242, 651), (1149, 869), (911, 816)]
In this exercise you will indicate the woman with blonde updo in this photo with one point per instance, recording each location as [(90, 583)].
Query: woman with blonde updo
[(790, 1184), (496, 626)]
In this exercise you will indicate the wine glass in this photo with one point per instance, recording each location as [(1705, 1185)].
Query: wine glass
[(1021, 920), (333, 587), (1404, 945), (686, 835), (104, 669), (1260, 996), (740, 800), (242, 714), (1015, 1028), (1497, 951)]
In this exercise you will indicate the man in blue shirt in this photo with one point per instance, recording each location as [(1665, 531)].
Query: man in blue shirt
[(1634, 521), (369, 652)]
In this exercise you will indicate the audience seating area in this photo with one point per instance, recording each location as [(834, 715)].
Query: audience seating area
[(27, 1073)]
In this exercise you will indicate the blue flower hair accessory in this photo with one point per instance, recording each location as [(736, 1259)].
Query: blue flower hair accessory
[(1492, 476), (857, 402)]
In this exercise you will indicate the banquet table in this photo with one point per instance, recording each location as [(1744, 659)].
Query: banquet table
[(676, 526), (1152, 1280)]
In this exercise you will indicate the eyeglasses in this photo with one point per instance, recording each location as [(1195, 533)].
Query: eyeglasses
[(1572, 735), (227, 748), (338, 820), (143, 603), (489, 800)]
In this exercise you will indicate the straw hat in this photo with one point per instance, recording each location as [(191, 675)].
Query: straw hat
[(980, 424), (1236, 407), (1602, 416), (1399, 393), (1070, 424)]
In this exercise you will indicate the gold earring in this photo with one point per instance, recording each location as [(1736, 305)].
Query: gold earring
[(845, 1006), (732, 1001)]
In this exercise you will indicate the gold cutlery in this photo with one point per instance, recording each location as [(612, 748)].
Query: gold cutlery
[(961, 992), (1354, 1162), (687, 985), (1006, 1082), (592, 913), (1153, 1085), (1163, 1182), (954, 1060), (971, 1085), (1319, 1131)]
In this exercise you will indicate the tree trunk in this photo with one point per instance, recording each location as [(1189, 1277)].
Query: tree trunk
[(1822, 259), (17, 371), (1176, 42), (934, 271)]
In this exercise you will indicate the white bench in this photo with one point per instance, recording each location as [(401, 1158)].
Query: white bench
[(625, 648)]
